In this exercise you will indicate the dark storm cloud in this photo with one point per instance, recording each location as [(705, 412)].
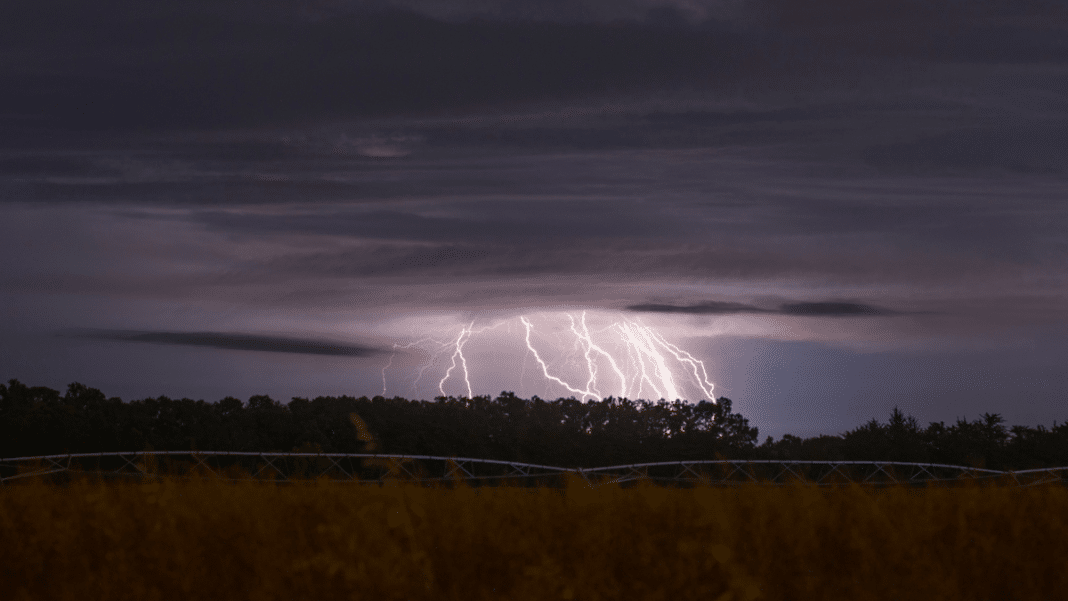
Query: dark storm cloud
[(36, 165), (832, 309), (705, 308), (231, 341), (990, 31), (800, 309), (467, 223), (239, 190), (654, 128), (663, 13), (606, 260), (547, 156), (951, 224), (124, 68), (71, 66), (1024, 148)]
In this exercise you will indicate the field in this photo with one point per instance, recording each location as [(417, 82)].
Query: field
[(204, 539)]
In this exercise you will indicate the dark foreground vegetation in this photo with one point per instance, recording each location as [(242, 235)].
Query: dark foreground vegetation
[(208, 539), (565, 432)]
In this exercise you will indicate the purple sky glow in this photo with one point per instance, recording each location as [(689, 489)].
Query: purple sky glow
[(835, 209)]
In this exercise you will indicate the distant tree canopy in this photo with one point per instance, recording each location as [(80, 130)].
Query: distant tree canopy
[(565, 432), (984, 443)]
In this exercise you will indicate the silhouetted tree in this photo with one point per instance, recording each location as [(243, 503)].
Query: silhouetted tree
[(566, 432)]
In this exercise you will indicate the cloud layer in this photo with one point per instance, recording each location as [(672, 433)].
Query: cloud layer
[(135, 65), (232, 341), (805, 309)]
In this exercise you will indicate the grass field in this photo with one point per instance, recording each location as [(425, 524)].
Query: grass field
[(174, 539)]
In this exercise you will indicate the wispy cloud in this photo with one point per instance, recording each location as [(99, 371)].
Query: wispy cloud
[(230, 341), (800, 309), (833, 309), (706, 308)]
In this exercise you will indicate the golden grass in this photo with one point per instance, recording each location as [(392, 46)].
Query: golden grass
[(175, 539)]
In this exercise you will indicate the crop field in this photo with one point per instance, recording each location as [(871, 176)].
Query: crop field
[(210, 539)]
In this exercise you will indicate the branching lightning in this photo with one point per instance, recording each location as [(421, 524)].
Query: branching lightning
[(590, 346), (545, 369), (461, 340), (626, 359), (419, 344)]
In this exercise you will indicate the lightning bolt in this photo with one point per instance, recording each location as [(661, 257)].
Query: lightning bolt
[(626, 357), (461, 340), (387, 367), (641, 340), (545, 368), (458, 359), (590, 346), (707, 387), (418, 343)]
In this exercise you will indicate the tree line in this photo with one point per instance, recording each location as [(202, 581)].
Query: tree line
[(984, 443), (565, 432)]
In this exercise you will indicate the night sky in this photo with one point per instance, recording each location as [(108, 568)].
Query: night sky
[(836, 206)]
